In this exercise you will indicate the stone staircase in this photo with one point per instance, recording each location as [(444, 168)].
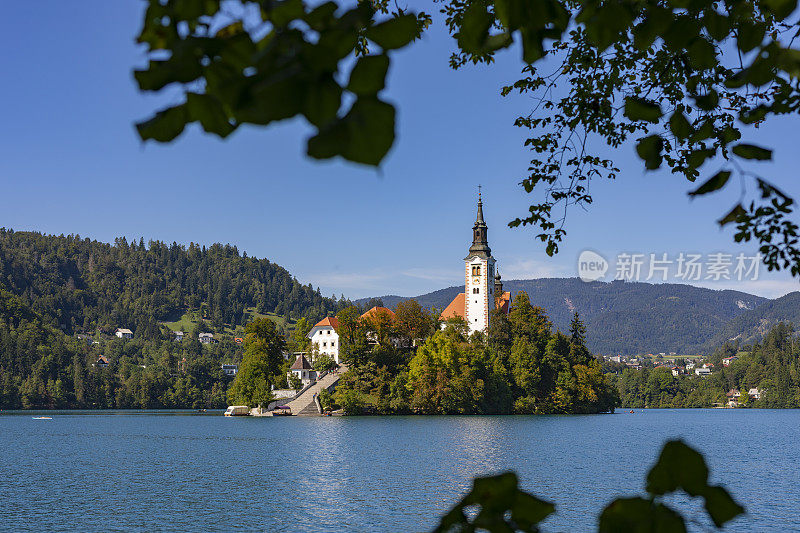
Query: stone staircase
[(305, 404)]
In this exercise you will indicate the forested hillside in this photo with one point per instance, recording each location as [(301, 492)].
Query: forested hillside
[(752, 326), (78, 284), (623, 317), (772, 366), (43, 368)]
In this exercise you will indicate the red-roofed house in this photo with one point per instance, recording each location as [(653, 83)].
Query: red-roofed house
[(483, 290), (325, 337)]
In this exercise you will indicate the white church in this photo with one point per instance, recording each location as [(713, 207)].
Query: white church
[(483, 291)]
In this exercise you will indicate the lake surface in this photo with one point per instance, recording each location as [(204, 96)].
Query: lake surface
[(146, 471)]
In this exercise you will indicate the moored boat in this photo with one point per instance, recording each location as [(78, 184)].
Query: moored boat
[(237, 410)]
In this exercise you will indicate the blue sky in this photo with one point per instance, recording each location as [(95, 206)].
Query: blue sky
[(70, 162)]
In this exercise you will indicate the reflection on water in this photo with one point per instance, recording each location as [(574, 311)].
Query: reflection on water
[(105, 472)]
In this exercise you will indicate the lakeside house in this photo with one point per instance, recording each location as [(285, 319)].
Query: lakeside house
[(101, 362), (676, 371), (303, 370), (230, 369), (206, 338), (726, 361), (755, 393), (733, 397), (689, 365), (123, 333), (704, 371), (238, 340), (179, 336), (325, 337)]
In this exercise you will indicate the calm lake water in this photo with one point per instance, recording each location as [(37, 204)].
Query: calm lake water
[(148, 471)]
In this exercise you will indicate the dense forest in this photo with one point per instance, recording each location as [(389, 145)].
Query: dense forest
[(80, 285), (524, 366), (62, 298), (43, 368), (771, 366)]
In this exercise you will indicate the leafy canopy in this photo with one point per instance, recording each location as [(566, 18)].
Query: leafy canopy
[(683, 79)]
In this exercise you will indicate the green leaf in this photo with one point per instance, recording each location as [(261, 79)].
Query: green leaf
[(604, 26), (699, 156), (209, 112), (364, 135), (323, 16), (396, 32), (528, 510), (754, 115), (679, 125), (165, 125), (702, 54), (281, 13), (716, 182), (780, 8), (272, 100), (193, 9), (323, 100), (721, 506), (161, 73), (369, 75), (649, 149), (751, 151), (639, 515), (681, 32), (518, 14), (532, 45), (751, 34), (708, 101), (641, 109), (496, 503), (678, 467), (654, 24), (475, 27), (733, 215), (718, 26)]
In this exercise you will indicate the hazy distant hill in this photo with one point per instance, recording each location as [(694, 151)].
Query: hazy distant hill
[(625, 317)]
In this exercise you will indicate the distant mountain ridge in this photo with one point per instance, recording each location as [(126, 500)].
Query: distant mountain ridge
[(632, 317)]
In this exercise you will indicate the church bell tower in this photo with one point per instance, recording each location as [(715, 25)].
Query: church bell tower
[(479, 276)]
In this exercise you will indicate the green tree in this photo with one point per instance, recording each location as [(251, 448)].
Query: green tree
[(260, 365)]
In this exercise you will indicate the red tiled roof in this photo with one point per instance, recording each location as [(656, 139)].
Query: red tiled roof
[(457, 308), (330, 322), (375, 311), (301, 363), (503, 302)]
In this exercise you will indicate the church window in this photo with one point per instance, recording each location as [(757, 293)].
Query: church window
[(476, 270), (324, 344), (476, 290)]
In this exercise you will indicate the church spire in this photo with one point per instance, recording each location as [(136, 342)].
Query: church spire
[(480, 244)]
